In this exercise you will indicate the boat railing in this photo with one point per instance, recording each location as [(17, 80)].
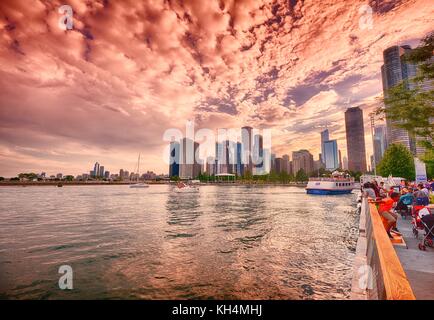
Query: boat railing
[(388, 278), (332, 179)]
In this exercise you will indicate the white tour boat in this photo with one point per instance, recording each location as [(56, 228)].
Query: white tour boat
[(339, 183)]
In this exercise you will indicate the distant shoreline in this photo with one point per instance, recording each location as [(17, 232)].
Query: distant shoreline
[(100, 183)]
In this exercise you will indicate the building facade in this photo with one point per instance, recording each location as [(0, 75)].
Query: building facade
[(302, 159), (355, 134)]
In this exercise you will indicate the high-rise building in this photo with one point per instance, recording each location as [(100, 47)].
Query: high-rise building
[(247, 144), (355, 134), (395, 70), (189, 167), (96, 169), (324, 137), (239, 166), (225, 156), (258, 154), (380, 143), (302, 159), (279, 165), (345, 163), (331, 155), (101, 171), (210, 166), (273, 162), (286, 163), (174, 159)]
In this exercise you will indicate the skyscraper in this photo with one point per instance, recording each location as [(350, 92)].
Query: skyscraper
[(380, 143), (395, 70), (302, 159), (96, 169), (324, 137), (189, 167), (355, 139), (258, 154), (331, 155), (286, 163), (278, 165), (174, 159), (246, 141)]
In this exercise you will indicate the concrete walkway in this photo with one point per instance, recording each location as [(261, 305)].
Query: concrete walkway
[(417, 264)]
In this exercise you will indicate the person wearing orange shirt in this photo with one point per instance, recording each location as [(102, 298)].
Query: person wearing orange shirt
[(385, 209)]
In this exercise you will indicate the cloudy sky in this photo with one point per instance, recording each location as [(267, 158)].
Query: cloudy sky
[(129, 70)]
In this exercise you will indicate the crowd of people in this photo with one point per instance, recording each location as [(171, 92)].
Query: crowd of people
[(398, 199)]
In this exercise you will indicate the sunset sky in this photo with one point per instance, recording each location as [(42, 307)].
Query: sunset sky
[(128, 70)]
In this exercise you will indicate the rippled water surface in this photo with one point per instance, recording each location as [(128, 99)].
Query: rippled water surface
[(224, 242)]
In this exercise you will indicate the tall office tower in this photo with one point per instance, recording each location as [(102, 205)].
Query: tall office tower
[(224, 157), (286, 167), (107, 174), (258, 154), (324, 137), (273, 162), (101, 171), (380, 143), (247, 145), (210, 166), (239, 166), (96, 169), (345, 163), (189, 167), (121, 174), (278, 165), (302, 159), (174, 159), (355, 139), (331, 155), (395, 70)]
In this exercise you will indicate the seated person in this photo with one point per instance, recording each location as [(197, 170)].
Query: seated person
[(420, 196), (385, 209), (368, 190), (383, 191)]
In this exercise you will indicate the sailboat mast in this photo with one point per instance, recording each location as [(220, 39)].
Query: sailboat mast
[(138, 168)]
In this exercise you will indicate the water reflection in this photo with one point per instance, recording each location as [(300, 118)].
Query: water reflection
[(221, 242)]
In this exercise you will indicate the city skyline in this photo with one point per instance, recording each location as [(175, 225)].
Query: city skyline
[(70, 97)]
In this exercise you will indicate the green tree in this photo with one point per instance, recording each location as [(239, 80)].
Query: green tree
[(69, 178), (247, 175), (301, 176), (174, 178), (397, 161), (412, 108)]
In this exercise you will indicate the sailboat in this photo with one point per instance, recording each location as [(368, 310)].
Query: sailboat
[(139, 184)]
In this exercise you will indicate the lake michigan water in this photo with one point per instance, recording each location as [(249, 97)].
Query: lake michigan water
[(223, 242)]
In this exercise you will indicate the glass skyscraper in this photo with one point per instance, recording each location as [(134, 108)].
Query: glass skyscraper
[(331, 155), (395, 70)]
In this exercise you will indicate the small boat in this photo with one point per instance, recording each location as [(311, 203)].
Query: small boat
[(185, 188), (339, 183), (139, 185), (59, 185)]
